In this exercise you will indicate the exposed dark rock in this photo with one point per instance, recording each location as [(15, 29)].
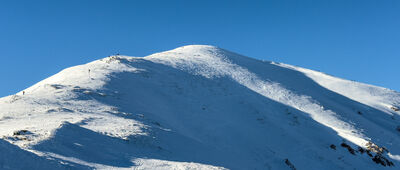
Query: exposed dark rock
[(379, 159), (349, 148), (361, 150), (288, 163), (21, 132), (375, 148), (369, 153)]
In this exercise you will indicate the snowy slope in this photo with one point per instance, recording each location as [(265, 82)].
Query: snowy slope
[(199, 107)]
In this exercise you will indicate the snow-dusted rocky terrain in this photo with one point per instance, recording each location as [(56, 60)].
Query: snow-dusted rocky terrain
[(198, 107)]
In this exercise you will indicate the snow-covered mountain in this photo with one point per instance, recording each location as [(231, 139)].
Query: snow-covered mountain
[(199, 107)]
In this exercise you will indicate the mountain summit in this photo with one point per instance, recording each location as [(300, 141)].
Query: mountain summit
[(198, 107)]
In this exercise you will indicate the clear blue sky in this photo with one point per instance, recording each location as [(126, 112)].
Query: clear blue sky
[(353, 39)]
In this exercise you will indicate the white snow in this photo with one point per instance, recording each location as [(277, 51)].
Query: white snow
[(377, 97), (196, 107)]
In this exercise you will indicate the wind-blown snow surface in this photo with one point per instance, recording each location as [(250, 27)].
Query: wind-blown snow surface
[(198, 107)]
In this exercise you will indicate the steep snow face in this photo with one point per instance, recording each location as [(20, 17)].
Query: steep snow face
[(377, 97), (212, 62), (199, 107)]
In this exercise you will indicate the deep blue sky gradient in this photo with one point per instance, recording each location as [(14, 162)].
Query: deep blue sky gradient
[(352, 39)]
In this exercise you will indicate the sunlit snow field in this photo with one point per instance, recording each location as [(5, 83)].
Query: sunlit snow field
[(198, 107)]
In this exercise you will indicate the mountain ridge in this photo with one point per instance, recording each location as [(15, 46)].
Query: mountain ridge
[(200, 106)]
